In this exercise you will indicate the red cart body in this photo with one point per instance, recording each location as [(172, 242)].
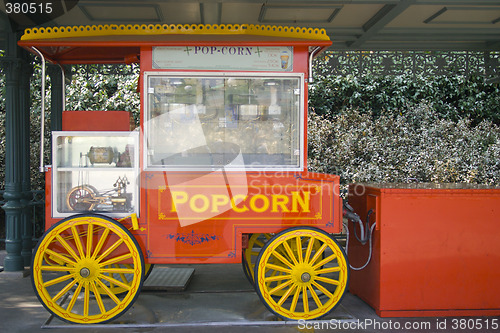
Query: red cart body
[(215, 173)]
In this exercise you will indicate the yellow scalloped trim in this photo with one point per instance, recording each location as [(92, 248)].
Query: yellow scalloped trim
[(172, 29)]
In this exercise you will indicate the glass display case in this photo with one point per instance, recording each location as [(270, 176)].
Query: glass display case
[(231, 120), (95, 172)]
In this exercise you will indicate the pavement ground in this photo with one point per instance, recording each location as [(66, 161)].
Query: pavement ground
[(217, 299)]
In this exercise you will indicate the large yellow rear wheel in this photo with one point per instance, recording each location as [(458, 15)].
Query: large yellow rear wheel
[(311, 283), (75, 263)]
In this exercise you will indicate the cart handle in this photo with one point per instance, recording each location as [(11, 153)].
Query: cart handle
[(42, 107), (311, 56)]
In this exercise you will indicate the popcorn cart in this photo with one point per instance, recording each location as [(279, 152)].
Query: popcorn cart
[(216, 172)]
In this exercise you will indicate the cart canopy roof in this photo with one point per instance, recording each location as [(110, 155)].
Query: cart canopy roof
[(116, 43)]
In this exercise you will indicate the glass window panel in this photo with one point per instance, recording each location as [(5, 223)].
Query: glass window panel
[(95, 172), (231, 121)]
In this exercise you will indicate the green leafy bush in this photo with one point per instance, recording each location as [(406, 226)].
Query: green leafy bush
[(452, 97), (404, 128), (104, 91), (416, 144)]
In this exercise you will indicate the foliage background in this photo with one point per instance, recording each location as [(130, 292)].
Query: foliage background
[(374, 128), (452, 96), (416, 145)]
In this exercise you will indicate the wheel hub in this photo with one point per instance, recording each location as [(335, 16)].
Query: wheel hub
[(87, 269), (305, 277), (303, 274), (84, 272)]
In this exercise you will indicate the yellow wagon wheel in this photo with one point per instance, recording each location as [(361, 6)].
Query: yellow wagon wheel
[(312, 282), (87, 248)]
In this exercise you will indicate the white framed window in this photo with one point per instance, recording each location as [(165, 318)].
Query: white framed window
[(95, 172), (237, 121)]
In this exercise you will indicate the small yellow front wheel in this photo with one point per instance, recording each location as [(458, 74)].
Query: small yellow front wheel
[(312, 282), (86, 252)]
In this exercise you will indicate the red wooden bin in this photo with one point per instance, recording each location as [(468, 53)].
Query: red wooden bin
[(436, 249)]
